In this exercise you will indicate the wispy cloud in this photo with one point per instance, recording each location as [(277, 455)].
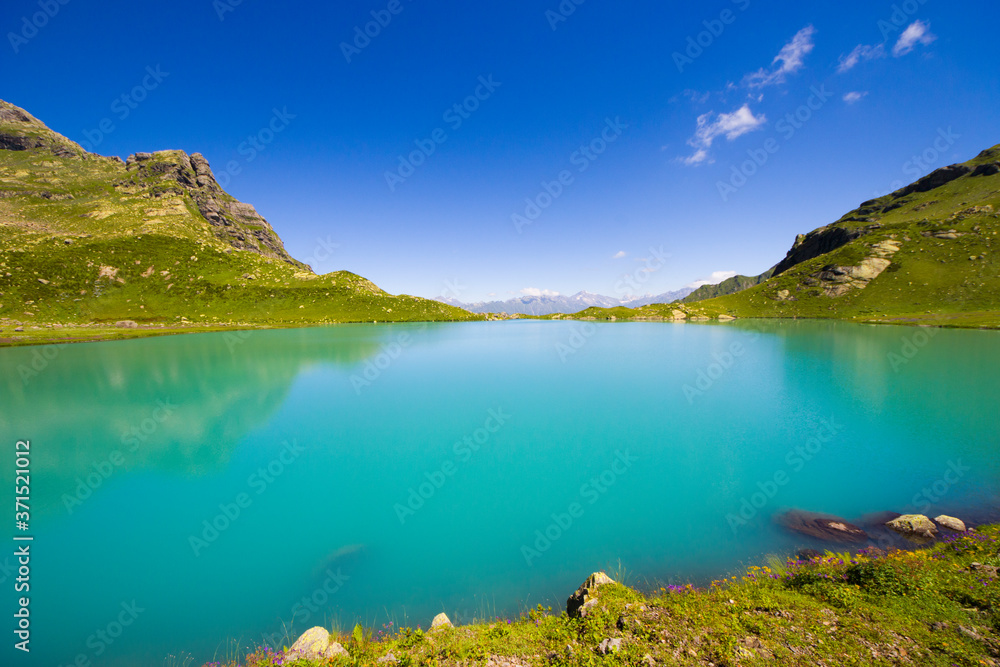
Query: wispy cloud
[(534, 291), (860, 52), (716, 278), (854, 96), (712, 126), (789, 60), (619, 254), (918, 32)]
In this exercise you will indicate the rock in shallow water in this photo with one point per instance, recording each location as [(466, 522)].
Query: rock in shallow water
[(951, 523), (823, 527), (914, 526)]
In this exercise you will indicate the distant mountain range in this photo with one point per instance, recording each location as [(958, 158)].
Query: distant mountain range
[(568, 305)]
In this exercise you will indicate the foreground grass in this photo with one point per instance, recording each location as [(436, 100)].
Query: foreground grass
[(927, 607)]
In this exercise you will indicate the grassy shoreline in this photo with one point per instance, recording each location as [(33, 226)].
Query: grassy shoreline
[(45, 334), (933, 606)]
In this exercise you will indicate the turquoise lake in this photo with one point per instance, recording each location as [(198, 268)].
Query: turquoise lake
[(192, 495)]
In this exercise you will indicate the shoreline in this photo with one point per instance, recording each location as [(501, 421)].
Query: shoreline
[(933, 605), (58, 333)]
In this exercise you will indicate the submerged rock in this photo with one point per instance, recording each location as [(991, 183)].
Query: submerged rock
[(314, 644), (914, 527), (951, 523), (823, 527), (585, 597)]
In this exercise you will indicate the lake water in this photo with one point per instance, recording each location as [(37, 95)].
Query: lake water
[(193, 493)]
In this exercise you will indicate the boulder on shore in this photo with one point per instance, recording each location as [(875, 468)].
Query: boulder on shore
[(585, 597), (951, 523), (823, 527), (314, 644), (914, 526), (127, 324), (441, 621)]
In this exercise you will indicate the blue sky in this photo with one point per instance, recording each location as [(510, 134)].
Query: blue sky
[(622, 122)]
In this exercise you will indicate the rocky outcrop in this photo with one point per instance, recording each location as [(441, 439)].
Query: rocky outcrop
[(20, 131), (823, 527), (585, 597), (934, 180), (836, 281), (914, 526), (314, 644), (818, 242), (232, 221)]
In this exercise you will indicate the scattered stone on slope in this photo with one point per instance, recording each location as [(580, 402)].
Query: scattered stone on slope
[(441, 621), (585, 597), (314, 644)]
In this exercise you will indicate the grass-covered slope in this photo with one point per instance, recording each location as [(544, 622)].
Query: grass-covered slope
[(931, 607), (926, 254), (87, 239)]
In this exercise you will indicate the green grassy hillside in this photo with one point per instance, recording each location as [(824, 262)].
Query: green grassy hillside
[(91, 240), (926, 254)]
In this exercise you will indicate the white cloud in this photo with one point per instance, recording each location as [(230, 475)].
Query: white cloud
[(789, 60), (854, 96), (716, 278), (619, 254), (711, 127), (918, 32), (534, 291), (860, 52)]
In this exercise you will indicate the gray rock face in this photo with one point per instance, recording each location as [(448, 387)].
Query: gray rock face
[(232, 221), (586, 595)]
